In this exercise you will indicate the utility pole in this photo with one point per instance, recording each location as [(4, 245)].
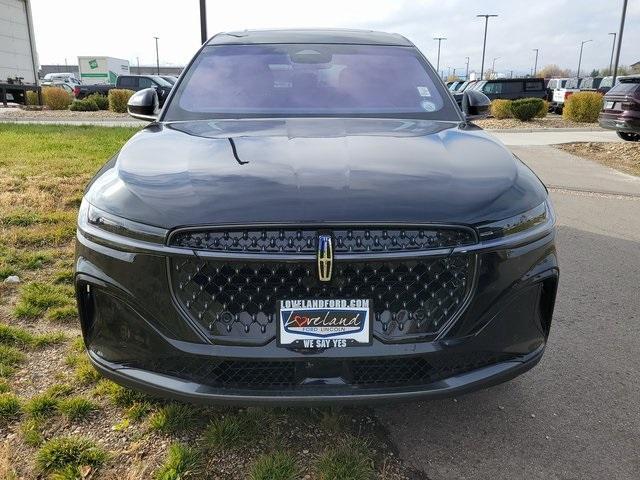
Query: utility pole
[(615, 66), (466, 76), (535, 65), (613, 49), (439, 39), (203, 21), (138, 62), (157, 57), (484, 44), (511, 75), (580, 58)]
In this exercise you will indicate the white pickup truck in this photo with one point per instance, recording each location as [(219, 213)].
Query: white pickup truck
[(560, 94)]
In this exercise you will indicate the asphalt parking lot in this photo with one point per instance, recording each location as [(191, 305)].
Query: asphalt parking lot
[(577, 414)]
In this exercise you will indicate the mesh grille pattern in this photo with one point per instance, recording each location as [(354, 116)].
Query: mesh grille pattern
[(236, 301), (282, 375), (300, 241)]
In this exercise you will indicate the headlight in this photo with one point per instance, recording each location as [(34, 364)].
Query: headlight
[(90, 216), (540, 218)]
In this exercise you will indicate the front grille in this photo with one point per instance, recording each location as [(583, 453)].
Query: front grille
[(235, 301), (304, 240), (321, 373)]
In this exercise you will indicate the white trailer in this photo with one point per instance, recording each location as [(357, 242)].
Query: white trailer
[(18, 57), (101, 70)]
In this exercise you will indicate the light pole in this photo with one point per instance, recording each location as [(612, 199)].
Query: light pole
[(580, 58), (484, 44), (439, 39), (493, 65), (615, 66), (535, 65), (466, 76), (203, 21), (157, 57), (613, 49)]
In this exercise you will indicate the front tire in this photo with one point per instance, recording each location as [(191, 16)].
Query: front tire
[(629, 137)]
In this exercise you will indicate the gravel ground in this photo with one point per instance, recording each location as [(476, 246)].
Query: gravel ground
[(20, 114), (624, 156), (550, 121)]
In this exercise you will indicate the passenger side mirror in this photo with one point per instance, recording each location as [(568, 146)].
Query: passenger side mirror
[(475, 105), (144, 105)]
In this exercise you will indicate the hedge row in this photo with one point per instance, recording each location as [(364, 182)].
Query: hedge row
[(524, 109), (56, 98)]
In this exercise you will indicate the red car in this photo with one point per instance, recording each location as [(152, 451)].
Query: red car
[(621, 111)]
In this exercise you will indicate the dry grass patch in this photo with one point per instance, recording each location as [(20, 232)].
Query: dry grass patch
[(623, 156)]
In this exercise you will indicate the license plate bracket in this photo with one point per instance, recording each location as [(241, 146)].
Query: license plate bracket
[(324, 323)]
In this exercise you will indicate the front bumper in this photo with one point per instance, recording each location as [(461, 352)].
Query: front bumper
[(137, 336)]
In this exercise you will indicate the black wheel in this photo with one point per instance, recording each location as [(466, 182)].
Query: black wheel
[(629, 137)]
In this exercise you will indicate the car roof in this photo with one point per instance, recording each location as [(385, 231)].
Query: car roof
[(339, 36)]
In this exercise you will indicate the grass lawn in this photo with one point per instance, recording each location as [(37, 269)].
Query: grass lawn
[(62, 420)]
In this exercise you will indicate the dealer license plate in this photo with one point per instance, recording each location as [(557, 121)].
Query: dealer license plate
[(324, 323), (609, 105)]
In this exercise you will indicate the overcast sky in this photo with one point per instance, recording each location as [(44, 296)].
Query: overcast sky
[(124, 29)]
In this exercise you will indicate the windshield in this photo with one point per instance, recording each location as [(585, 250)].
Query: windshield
[(309, 80)]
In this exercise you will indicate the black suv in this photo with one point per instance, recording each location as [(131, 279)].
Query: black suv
[(513, 88), (311, 218)]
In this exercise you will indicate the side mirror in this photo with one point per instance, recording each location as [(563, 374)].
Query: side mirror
[(475, 105), (144, 105)]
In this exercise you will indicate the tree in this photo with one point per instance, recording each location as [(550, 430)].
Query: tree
[(554, 70), (453, 78), (595, 73)]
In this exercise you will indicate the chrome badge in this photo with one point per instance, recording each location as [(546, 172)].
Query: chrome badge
[(325, 257)]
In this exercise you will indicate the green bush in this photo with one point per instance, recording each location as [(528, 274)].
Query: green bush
[(582, 107), (501, 109), (56, 98), (526, 108), (118, 99), (32, 98), (100, 100), (84, 105), (544, 109)]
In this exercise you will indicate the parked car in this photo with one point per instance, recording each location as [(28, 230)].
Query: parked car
[(554, 84), (512, 88), (68, 78), (591, 84), (129, 82), (621, 110), (560, 95), (301, 223)]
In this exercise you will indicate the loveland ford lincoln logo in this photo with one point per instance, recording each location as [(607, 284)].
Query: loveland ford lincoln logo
[(325, 257)]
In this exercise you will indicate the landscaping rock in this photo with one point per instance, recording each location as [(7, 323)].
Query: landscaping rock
[(12, 279)]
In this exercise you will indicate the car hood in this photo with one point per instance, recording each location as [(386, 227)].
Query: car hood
[(314, 171)]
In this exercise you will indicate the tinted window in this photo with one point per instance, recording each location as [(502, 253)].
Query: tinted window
[(625, 88), (144, 82), (282, 80), (533, 85), (128, 82)]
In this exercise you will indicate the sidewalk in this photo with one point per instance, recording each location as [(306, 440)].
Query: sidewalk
[(561, 170), (551, 137)]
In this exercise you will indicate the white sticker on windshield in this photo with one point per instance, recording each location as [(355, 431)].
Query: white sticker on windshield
[(424, 91), (428, 106)]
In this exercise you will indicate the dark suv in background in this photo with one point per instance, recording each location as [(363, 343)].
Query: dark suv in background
[(621, 111), (513, 88)]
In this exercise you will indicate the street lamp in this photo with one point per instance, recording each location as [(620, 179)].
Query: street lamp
[(615, 65), (580, 58), (484, 44), (466, 77), (535, 65), (157, 57), (613, 49), (203, 21), (439, 39), (493, 65)]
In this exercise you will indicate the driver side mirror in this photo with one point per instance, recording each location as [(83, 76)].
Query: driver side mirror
[(144, 105), (475, 105)]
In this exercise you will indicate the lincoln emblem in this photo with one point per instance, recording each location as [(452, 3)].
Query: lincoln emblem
[(325, 257)]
